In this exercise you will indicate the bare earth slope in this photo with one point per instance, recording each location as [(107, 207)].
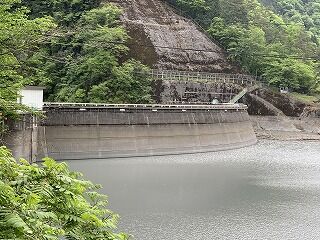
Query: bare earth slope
[(153, 23)]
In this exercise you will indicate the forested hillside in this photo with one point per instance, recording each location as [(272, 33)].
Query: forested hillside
[(278, 40), (74, 48), (300, 12), (78, 50), (18, 38)]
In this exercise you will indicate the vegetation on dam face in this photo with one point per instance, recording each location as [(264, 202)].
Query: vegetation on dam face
[(50, 202)]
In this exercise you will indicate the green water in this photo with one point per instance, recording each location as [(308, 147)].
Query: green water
[(267, 191)]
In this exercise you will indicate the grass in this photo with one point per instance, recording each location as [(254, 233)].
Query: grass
[(308, 99)]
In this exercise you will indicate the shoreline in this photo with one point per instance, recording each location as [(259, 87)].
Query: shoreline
[(286, 128)]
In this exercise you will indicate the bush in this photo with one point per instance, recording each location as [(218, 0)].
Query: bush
[(50, 202)]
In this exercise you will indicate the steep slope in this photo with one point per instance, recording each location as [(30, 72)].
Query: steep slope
[(160, 38)]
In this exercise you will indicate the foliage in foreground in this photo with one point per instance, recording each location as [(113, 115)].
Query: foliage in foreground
[(50, 202)]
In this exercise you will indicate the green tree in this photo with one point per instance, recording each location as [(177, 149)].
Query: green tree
[(65, 12), (18, 42), (234, 11), (262, 43), (84, 64), (291, 73), (192, 4), (50, 202)]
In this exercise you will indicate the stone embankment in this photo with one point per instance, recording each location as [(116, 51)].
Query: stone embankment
[(163, 39), (280, 117), (286, 128)]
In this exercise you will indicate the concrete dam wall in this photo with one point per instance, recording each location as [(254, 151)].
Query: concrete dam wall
[(21, 139), (108, 133)]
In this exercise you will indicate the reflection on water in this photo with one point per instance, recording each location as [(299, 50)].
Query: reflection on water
[(267, 191)]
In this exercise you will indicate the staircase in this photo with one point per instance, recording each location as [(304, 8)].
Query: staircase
[(246, 90)]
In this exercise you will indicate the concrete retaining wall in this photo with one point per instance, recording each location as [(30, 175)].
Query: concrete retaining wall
[(68, 117), (19, 142), (21, 138), (85, 142), (107, 133), (74, 134)]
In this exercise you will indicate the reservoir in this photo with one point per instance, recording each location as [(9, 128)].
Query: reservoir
[(267, 191)]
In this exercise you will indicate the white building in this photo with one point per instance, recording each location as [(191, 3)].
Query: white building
[(31, 96)]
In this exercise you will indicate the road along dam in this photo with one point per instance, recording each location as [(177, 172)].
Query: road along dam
[(89, 131)]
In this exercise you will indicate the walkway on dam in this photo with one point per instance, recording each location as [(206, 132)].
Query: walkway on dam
[(152, 107)]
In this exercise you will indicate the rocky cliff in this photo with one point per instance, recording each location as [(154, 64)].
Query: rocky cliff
[(162, 39)]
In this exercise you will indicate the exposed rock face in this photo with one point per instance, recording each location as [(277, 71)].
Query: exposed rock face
[(271, 103), (290, 107), (160, 39), (259, 106)]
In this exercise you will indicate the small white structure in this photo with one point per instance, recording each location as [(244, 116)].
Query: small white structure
[(215, 101), (284, 90), (31, 96)]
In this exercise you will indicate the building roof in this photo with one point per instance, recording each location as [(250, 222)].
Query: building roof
[(33, 88)]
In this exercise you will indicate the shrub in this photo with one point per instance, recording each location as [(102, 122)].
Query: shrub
[(51, 202)]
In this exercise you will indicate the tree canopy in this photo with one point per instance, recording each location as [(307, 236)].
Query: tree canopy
[(82, 60), (76, 49), (18, 42), (274, 39)]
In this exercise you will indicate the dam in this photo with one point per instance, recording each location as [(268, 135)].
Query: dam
[(94, 131)]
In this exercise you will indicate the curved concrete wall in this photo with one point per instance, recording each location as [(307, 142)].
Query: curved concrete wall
[(75, 134)]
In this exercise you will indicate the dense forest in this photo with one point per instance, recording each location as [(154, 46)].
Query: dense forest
[(276, 39), (77, 49), (74, 48)]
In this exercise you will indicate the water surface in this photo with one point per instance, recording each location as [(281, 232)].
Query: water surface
[(267, 191)]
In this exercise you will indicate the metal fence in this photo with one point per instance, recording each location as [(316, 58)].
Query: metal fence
[(206, 77), (123, 107)]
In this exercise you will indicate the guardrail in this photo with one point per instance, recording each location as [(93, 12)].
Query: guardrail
[(84, 106)]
